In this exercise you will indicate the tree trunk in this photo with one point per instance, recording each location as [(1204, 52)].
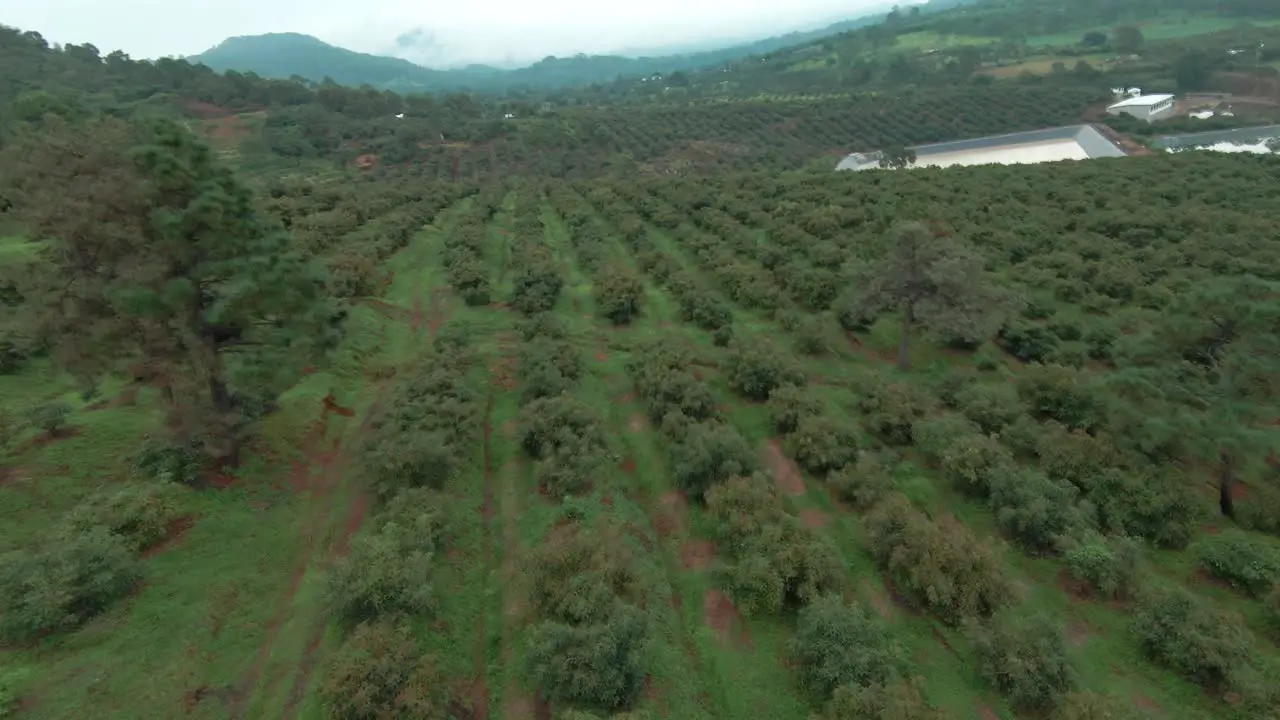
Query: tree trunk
[(223, 408), (1226, 479), (908, 319)]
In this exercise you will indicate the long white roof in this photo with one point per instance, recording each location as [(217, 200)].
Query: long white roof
[(1141, 101)]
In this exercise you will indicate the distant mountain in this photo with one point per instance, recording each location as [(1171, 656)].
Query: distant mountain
[(284, 55)]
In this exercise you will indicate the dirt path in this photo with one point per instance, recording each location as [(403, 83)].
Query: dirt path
[(329, 524)]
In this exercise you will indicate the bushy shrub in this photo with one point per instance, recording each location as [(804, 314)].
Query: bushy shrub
[(1271, 611), (380, 672), (536, 287), (772, 561), (1038, 512), (892, 409), (789, 404), (975, 463), (990, 407), (1248, 563), (1110, 565), (838, 643), (577, 571), (941, 565), (139, 513), (1161, 509), (411, 460), (822, 443), (597, 665), (1062, 394), (166, 462), (561, 420), (387, 571), (1027, 341), (810, 338), (65, 581), (1203, 644), (1025, 659), (50, 417), (708, 454), (863, 483), (14, 353), (618, 292), (898, 699), (755, 370), (1090, 706)]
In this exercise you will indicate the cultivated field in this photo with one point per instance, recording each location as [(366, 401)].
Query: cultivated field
[(605, 307)]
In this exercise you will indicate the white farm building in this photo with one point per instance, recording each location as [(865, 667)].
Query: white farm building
[(1144, 107), (1075, 142)]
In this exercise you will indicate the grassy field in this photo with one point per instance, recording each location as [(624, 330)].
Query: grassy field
[(1172, 28), (230, 621)]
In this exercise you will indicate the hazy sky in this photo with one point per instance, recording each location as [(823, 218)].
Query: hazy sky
[(455, 31)]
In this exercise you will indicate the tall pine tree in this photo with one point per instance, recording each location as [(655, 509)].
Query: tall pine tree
[(155, 259)]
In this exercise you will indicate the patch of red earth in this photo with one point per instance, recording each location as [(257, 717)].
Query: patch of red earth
[(784, 470), (479, 698), (985, 712), (331, 406), (719, 613), (1076, 590), (368, 161), (697, 554), (602, 356), (881, 603), (607, 501), (1146, 704), (628, 466), (435, 311), (1078, 632), (627, 398), (813, 518), (174, 534), (47, 439), (1239, 491), (670, 515)]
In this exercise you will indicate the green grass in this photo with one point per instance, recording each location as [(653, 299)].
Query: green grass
[(1173, 28)]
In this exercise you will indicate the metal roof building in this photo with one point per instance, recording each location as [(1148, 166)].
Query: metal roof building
[(1144, 107), (1074, 142)]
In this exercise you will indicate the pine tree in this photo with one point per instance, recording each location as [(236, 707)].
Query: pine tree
[(155, 257), (937, 281)]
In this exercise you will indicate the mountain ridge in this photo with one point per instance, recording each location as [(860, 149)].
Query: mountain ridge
[(287, 54)]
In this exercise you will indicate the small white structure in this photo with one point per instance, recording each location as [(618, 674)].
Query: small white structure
[(1144, 107), (399, 116), (508, 116), (1202, 114)]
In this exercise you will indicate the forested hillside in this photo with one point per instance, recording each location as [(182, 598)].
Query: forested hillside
[(624, 408)]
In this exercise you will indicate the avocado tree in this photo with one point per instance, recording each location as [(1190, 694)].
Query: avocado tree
[(936, 280)]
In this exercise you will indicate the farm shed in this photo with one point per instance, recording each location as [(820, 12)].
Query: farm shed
[(1144, 107)]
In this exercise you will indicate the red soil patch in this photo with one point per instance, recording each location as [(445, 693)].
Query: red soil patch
[(602, 356), (367, 161), (882, 604), (435, 311), (637, 423), (697, 554), (626, 398), (1078, 632), (1077, 590), (721, 616), (672, 507), (1145, 703), (985, 712), (332, 407), (813, 518), (628, 466), (174, 534), (784, 470), (1239, 491), (47, 439)]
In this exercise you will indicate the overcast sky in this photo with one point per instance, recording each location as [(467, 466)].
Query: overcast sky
[(452, 32)]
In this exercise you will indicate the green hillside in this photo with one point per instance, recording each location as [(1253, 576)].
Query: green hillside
[(324, 402)]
